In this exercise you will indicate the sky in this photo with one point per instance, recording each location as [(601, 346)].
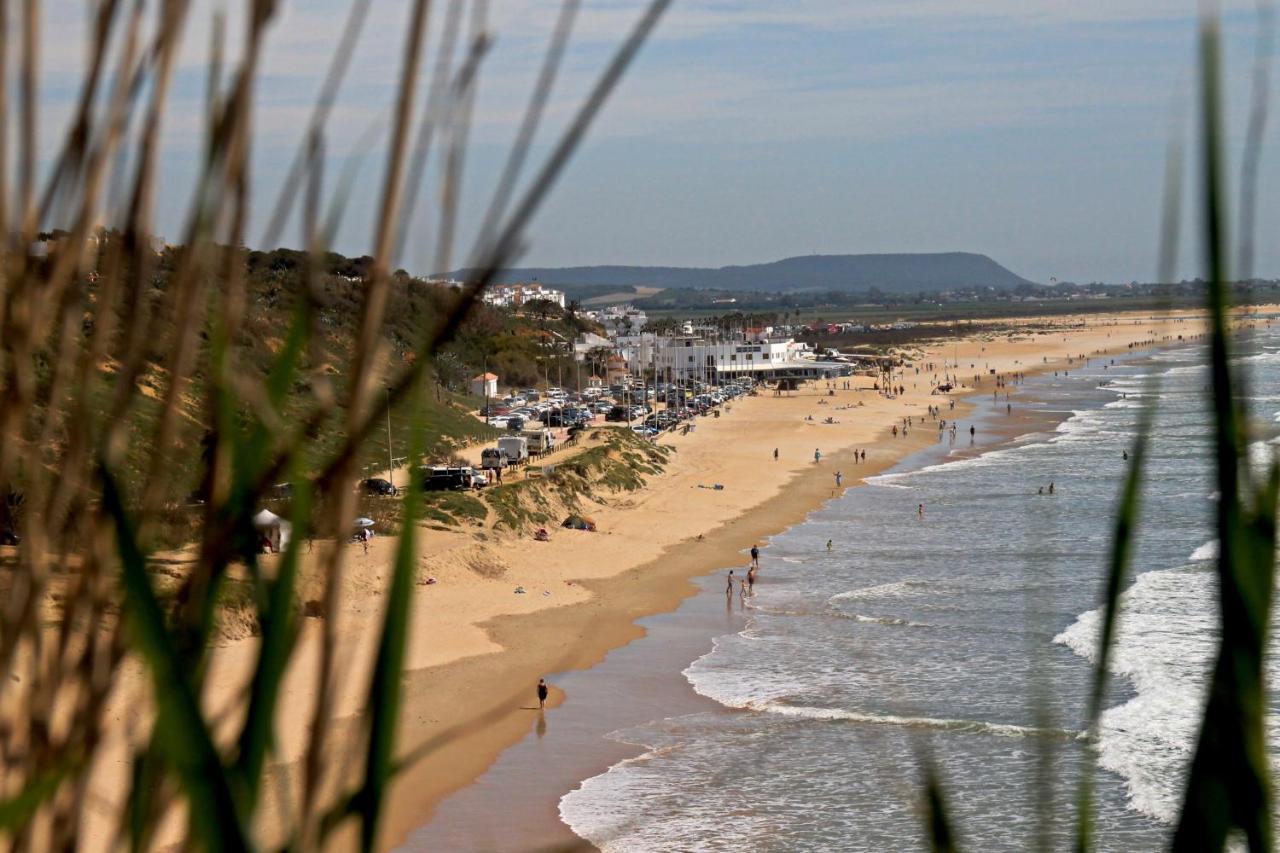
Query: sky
[(1033, 131)]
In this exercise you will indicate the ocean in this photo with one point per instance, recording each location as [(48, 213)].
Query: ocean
[(964, 636)]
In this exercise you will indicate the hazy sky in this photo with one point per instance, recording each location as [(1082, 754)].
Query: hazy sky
[(1034, 131)]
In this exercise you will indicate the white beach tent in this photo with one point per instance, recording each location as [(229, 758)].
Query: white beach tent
[(275, 528)]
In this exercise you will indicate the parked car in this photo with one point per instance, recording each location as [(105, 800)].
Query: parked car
[(379, 486), (442, 478)]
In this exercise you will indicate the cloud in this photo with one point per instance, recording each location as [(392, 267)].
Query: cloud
[(722, 80)]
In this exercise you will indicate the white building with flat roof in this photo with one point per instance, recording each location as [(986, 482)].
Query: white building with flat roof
[(516, 295), (682, 358)]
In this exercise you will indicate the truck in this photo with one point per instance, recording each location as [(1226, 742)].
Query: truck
[(515, 448), (540, 441), (492, 457)]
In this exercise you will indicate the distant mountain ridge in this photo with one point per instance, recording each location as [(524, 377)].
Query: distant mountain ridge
[(891, 273)]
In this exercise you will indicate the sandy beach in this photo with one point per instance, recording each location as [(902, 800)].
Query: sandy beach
[(478, 647)]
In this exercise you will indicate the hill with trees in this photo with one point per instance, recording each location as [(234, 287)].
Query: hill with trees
[(889, 273)]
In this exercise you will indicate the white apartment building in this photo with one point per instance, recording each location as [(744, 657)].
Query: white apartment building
[(516, 295), (620, 319)]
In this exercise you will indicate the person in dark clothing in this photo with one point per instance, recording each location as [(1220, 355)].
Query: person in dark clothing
[(755, 555), (542, 693)]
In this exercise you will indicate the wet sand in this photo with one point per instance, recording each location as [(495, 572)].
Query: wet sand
[(644, 681)]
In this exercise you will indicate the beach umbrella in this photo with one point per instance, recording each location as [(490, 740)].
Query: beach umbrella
[(362, 523)]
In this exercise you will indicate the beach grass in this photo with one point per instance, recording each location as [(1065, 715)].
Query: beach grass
[(113, 377), (91, 451), (1229, 787)]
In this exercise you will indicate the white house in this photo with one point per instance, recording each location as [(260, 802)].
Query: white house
[(516, 295), (484, 385)]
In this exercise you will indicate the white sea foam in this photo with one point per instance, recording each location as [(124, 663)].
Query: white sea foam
[(983, 460), (1164, 646), (974, 726), (1207, 551), (807, 680), (897, 589)]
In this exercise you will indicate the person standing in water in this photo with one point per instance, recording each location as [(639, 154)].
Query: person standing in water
[(728, 590), (542, 693), (755, 556), (829, 544), (920, 510), (751, 581)]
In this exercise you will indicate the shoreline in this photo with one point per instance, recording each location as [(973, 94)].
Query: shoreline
[(476, 650), (681, 570), (541, 824), (669, 581)]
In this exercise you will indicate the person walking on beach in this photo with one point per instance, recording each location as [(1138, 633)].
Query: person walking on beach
[(839, 479), (775, 454), (728, 590), (817, 455), (542, 693), (755, 557)]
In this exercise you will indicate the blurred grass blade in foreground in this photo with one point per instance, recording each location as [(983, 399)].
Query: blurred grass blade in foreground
[(1229, 784)]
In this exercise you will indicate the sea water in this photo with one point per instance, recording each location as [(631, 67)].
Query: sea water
[(962, 638)]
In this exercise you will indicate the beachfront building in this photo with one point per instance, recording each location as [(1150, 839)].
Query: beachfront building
[(619, 319), (516, 295), (485, 385), (587, 343), (637, 350), (616, 370), (686, 358)]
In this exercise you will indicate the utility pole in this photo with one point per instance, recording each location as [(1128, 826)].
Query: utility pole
[(484, 380), (391, 465)]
